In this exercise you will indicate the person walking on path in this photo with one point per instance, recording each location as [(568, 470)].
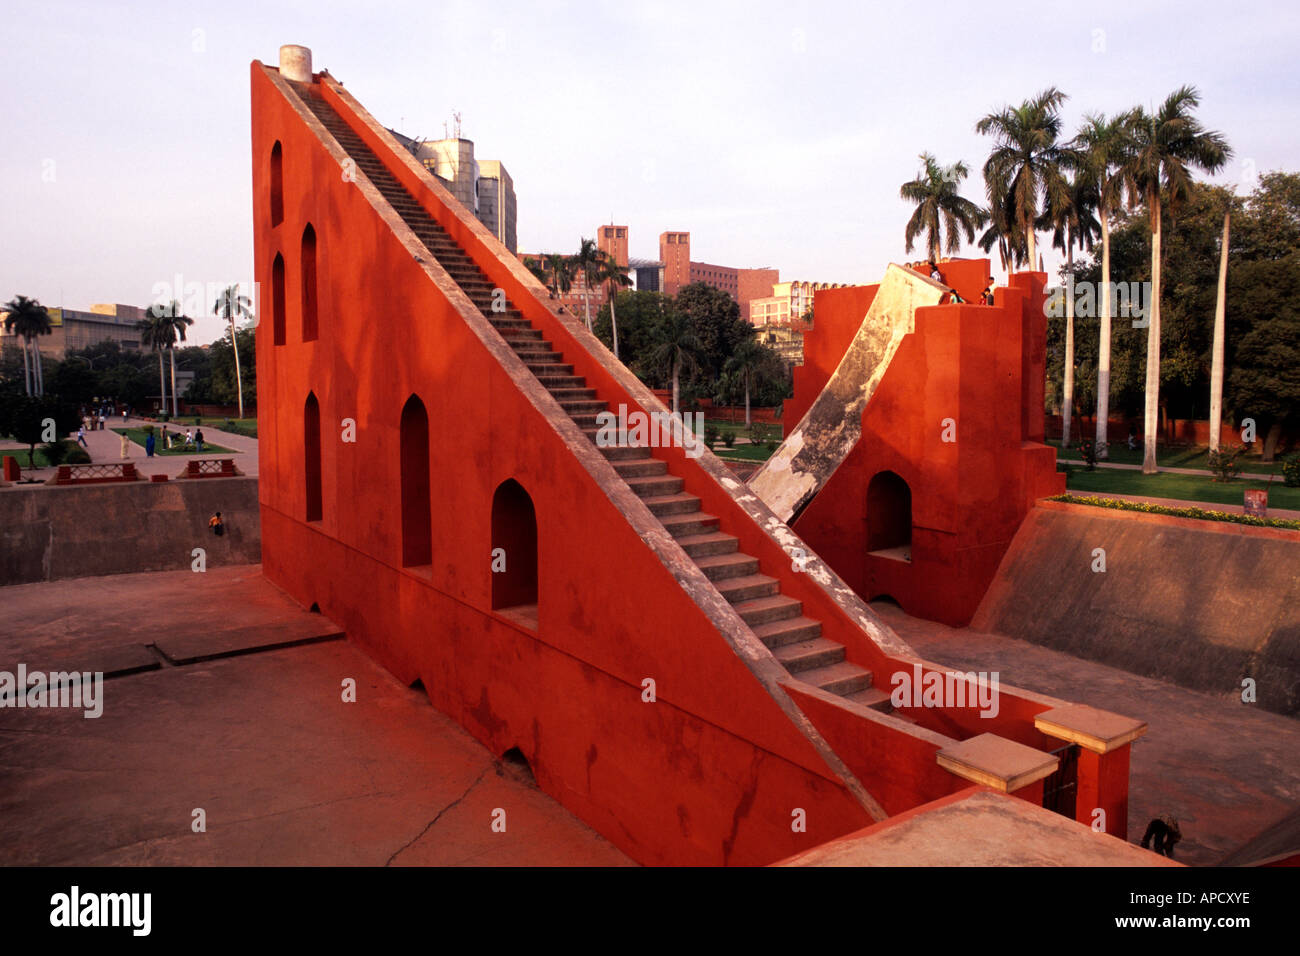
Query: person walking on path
[(198, 439), (189, 438), (149, 445), (126, 446), (81, 436)]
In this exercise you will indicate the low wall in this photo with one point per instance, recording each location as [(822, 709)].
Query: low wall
[(73, 531), (1199, 603)]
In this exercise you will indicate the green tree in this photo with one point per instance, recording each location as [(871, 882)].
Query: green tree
[(586, 264), (230, 305), (745, 362), (1102, 147), (939, 207), (615, 279), (158, 333), (1027, 160), (675, 348), (1069, 215), (1264, 320), (1167, 145), (28, 319)]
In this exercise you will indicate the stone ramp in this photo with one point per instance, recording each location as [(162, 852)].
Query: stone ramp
[(1199, 603), (818, 445)]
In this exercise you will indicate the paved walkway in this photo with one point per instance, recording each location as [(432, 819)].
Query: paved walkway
[(106, 447), (1226, 770), (286, 772)]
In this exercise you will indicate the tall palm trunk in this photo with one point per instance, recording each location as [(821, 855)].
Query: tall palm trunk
[(677, 367), (747, 398), (239, 382), (613, 319), (1152, 411), (1067, 404), (171, 355), (586, 299), (27, 365), (1103, 348), (162, 382), (1216, 367), (1032, 241)]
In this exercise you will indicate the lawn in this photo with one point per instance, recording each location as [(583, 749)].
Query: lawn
[(20, 455), (137, 435), (1170, 457), (1180, 487), (743, 452), (241, 426), (739, 429)]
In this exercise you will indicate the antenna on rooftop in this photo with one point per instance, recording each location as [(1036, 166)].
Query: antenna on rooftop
[(456, 118)]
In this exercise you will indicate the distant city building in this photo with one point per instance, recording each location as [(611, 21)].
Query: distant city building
[(483, 186), (73, 329), (787, 305), (613, 242)]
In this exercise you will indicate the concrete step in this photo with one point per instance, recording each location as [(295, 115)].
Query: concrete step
[(641, 467), (748, 587), (583, 406), (719, 567), (551, 368), (778, 633), (681, 525), (843, 678), (703, 545), (562, 394), (876, 699), (806, 655), (556, 379), (763, 610), (653, 486), (680, 503)]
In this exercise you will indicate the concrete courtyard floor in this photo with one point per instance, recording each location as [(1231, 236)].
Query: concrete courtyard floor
[(1225, 769), (240, 713)]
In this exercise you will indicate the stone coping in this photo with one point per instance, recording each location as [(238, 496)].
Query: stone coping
[(996, 762)]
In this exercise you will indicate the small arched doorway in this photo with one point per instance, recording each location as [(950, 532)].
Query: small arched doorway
[(311, 457), (277, 300), (277, 184), (309, 299), (889, 517), (514, 551), (417, 514)]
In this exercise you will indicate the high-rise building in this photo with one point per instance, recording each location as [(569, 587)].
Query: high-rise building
[(612, 241), (788, 304), (675, 254), (480, 185)]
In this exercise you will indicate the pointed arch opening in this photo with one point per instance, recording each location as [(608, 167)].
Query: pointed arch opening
[(514, 552), (311, 457), (277, 300), (889, 517), (277, 184), (417, 517), (309, 298)]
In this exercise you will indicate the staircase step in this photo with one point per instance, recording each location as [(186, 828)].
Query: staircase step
[(551, 368), (583, 406), (748, 587), (762, 610), (558, 380), (680, 525), (806, 655), (719, 567), (655, 485), (703, 545), (641, 467), (843, 678), (792, 630), (561, 394), (680, 503), (876, 699)]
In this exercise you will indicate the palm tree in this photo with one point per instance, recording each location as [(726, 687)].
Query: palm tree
[(1026, 160), (613, 275), (229, 305), (1000, 232), (157, 332), (1216, 359), (536, 268), (27, 319), (586, 262), (1070, 217), (939, 207), (560, 270), (1103, 146), (179, 323), (674, 345), (748, 357), (1167, 144)]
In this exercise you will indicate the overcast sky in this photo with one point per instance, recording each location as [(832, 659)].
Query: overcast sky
[(777, 133)]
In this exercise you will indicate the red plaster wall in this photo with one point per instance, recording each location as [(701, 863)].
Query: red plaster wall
[(968, 496)]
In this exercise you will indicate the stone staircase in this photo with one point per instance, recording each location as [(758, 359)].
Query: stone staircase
[(795, 640)]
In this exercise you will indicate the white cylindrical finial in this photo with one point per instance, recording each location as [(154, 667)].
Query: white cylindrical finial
[(295, 63)]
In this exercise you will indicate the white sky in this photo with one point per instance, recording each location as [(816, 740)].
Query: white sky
[(777, 133)]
